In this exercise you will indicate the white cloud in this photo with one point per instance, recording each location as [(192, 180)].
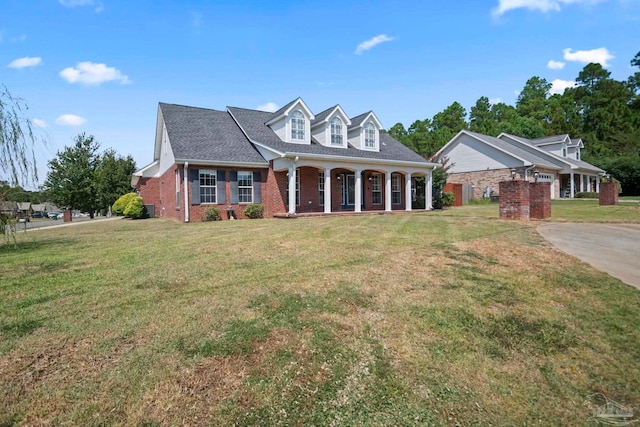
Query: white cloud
[(25, 62), (20, 38), (494, 101), (600, 56), (368, 44), (558, 86), (538, 5), (74, 3), (39, 123), (70, 120), (269, 106), (90, 73), (555, 65)]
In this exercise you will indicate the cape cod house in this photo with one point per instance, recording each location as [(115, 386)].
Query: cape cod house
[(292, 161), (483, 161)]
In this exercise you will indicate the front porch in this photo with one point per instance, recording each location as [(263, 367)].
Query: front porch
[(572, 183), (330, 190)]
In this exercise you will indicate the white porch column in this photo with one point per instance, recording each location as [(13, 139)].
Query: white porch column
[(572, 185), (407, 193), (292, 188), (358, 201), (387, 191), (428, 189), (582, 177), (327, 191), (597, 183)]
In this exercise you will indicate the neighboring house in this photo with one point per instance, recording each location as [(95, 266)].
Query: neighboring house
[(483, 161), (24, 209), (292, 161), (40, 208), (9, 209)]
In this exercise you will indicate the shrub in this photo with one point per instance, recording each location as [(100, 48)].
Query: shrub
[(447, 199), (120, 205), (418, 203), (254, 210), (586, 195), (135, 208), (212, 213)]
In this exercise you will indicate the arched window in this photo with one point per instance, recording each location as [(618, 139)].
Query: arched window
[(297, 125), (336, 131), (370, 136)]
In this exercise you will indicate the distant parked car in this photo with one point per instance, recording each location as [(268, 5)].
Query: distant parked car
[(36, 215)]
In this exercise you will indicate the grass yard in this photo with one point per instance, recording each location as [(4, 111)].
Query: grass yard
[(440, 318)]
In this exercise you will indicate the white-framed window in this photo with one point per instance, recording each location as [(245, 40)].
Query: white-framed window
[(177, 188), (207, 186), (321, 187), (564, 152), (376, 189), (245, 187), (297, 125), (396, 189), (336, 131), (577, 154), (370, 135)]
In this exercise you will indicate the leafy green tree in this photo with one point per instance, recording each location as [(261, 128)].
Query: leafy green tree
[(71, 180), (481, 118), (113, 177), (532, 100), (398, 132)]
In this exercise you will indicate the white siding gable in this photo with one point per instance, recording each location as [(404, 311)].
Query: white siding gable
[(285, 125), (467, 154), (358, 135), (322, 131), (167, 159)]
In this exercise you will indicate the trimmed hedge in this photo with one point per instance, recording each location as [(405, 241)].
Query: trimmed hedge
[(212, 213), (135, 208), (254, 210), (121, 204), (586, 195)]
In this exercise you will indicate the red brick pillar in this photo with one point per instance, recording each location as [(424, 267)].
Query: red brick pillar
[(514, 199), (608, 193), (540, 200), (67, 215)]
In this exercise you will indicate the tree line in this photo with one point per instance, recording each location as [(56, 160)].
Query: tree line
[(602, 111)]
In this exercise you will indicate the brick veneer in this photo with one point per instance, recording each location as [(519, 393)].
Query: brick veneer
[(540, 200), (514, 199), (608, 193), (491, 178), (161, 192)]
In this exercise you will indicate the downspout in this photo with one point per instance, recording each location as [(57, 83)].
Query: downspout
[(186, 192), (526, 175)]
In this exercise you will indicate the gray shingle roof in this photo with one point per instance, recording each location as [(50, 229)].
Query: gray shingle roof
[(323, 115), (357, 120), (516, 151), (253, 123), (207, 135), (549, 139), (280, 111)]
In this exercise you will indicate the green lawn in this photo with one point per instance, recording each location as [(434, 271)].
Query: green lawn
[(441, 318)]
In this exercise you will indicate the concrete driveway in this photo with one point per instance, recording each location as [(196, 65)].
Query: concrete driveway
[(612, 248)]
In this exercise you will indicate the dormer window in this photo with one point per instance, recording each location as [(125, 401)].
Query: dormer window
[(370, 136), (297, 125), (336, 131), (564, 152)]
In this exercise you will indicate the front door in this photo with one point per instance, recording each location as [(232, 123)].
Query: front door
[(348, 191)]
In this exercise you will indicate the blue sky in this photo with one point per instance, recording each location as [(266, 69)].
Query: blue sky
[(102, 66)]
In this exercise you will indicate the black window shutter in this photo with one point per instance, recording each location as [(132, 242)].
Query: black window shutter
[(194, 177), (234, 187), (221, 192), (257, 187)]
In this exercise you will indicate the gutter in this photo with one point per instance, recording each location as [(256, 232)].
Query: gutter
[(363, 160), (186, 192)]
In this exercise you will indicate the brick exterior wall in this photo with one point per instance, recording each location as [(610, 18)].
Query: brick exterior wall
[(608, 194), (514, 199), (161, 192), (540, 200), (480, 180)]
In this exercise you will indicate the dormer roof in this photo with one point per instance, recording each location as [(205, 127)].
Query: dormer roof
[(324, 116), (358, 121), (554, 139), (287, 109)]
